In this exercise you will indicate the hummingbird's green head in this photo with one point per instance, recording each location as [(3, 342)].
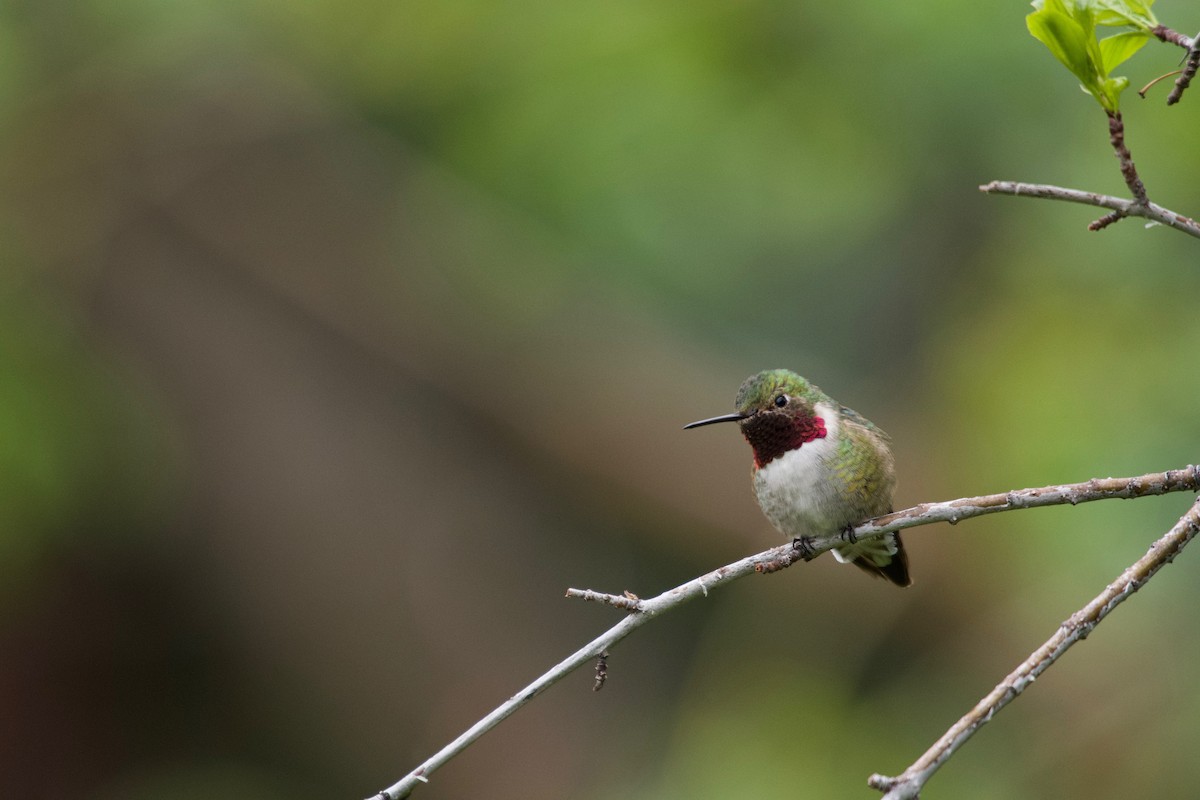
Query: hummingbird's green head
[(777, 412), (776, 391)]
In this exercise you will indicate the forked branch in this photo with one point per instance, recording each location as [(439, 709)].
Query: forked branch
[(1120, 206), (1075, 628), (642, 611)]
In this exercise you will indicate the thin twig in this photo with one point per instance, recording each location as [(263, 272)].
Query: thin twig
[(627, 601), (1192, 59), (1121, 206), (1189, 71), (1075, 628), (1116, 137), (1142, 91), (642, 611), (1170, 36)]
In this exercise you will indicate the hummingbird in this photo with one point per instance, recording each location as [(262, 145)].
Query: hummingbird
[(819, 468)]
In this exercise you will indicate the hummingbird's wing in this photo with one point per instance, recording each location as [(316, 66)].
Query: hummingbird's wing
[(858, 419), (869, 474)]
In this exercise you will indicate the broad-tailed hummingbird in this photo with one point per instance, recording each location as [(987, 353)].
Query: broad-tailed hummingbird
[(819, 468)]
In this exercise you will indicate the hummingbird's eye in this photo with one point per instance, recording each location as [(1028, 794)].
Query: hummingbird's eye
[(781, 400)]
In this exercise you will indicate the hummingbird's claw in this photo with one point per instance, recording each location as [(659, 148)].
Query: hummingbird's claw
[(803, 544), (848, 534)]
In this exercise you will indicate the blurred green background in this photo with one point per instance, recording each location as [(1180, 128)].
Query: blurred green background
[(339, 339)]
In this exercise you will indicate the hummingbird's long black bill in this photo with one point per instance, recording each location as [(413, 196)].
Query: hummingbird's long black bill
[(711, 420)]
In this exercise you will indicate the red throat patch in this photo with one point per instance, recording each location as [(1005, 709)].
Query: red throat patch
[(772, 435)]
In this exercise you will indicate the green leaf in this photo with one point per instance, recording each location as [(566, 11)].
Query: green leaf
[(1116, 49), (1065, 39), (1084, 16), (1053, 5), (1112, 93), (1082, 12), (1068, 29), (1115, 13)]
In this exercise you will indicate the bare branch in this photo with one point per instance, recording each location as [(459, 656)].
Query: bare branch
[(1120, 206), (583, 655), (953, 511), (642, 611), (1074, 629)]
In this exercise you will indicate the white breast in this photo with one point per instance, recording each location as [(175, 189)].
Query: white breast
[(793, 489)]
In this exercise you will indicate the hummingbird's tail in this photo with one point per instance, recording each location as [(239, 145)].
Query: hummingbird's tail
[(881, 556)]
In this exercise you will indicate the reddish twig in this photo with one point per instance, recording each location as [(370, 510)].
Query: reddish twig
[(1189, 71), (1165, 34), (1116, 137)]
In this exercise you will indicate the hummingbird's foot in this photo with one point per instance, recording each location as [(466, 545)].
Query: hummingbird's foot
[(803, 545), (848, 535)]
